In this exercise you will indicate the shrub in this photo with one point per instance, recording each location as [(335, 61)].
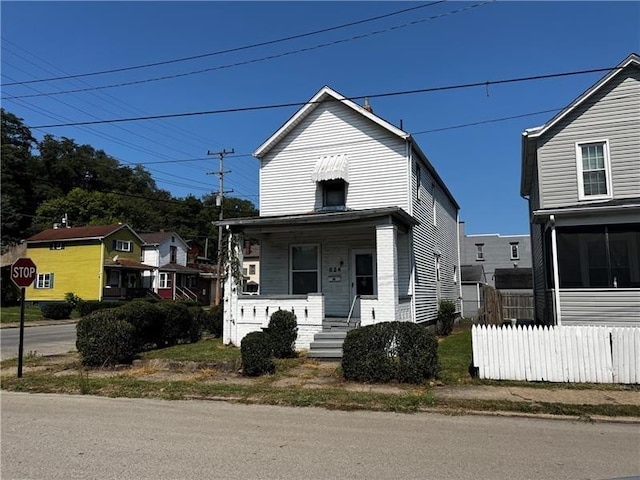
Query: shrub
[(56, 310), (256, 351), (147, 320), (283, 330), (213, 320), (103, 339), (72, 299), (85, 308), (197, 322), (176, 322), (402, 351), (446, 317)]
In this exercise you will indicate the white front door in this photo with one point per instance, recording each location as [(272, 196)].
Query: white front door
[(363, 277)]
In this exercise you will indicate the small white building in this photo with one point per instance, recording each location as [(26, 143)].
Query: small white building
[(356, 226)]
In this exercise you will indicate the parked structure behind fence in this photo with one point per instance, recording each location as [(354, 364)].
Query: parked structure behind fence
[(557, 354)]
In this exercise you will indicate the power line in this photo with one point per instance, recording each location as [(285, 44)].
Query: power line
[(261, 59), (229, 50), (359, 97)]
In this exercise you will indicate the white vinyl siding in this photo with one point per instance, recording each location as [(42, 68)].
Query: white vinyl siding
[(429, 240), (613, 113), (377, 163)]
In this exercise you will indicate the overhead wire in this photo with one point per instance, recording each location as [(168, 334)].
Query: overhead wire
[(261, 59), (228, 50)]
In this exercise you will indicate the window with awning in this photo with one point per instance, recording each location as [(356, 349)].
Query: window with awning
[(331, 167)]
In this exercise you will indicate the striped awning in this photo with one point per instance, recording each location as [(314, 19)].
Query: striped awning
[(331, 167)]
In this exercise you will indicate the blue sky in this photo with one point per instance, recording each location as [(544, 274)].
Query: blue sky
[(427, 47)]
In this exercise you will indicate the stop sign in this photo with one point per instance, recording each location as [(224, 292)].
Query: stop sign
[(23, 272)]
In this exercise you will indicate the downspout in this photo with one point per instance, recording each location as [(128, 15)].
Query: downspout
[(459, 276), (101, 270), (556, 276)]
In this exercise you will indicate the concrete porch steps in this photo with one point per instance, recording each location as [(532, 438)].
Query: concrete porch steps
[(328, 343)]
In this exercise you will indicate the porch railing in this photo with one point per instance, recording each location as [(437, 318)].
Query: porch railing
[(183, 293), (123, 292)]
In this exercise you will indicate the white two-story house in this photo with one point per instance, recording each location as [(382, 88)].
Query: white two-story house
[(170, 277), (581, 175), (356, 226)]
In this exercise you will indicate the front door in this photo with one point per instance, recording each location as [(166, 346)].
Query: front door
[(363, 277)]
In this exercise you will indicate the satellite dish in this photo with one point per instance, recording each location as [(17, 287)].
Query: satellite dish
[(115, 259)]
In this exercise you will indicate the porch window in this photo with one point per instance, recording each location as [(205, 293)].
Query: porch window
[(604, 256), (44, 280), (113, 278), (305, 271), (594, 175), (165, 280)]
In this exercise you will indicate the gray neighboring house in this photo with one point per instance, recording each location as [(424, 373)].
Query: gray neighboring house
[(581, 176), (494, 251)]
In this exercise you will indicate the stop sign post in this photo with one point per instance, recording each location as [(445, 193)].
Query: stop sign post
[(23, 273)]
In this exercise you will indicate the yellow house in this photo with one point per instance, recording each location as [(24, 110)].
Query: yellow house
[(95, 262)]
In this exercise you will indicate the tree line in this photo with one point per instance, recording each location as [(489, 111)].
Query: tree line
[(44, 181)]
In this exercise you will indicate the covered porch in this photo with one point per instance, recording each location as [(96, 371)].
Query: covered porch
[(334, 270), (123, 279)]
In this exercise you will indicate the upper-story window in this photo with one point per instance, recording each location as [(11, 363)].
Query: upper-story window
[(418, 182), (594, 170), (252, 269), (56, 246), (479, 251), (123, 245), (334, 194), (173, 254), (515, 251), (434, 206)]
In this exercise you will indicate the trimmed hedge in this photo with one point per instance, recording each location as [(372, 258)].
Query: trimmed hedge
[(256, 351), (86, 307), (147, 320), (104, 339), (402, 351), (177, 322), (213, 320), (283, 331), (446, 317), (56, 310)]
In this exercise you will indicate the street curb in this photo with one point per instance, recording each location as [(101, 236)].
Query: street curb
[(38, 323)]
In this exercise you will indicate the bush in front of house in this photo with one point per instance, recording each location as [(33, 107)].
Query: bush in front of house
[(104, 339), (56, 310), (256, 351), (147, 320), (86, 307), (446, 317), (402, 351), (283, 331), (177, 322), (197, 322), (213, 320)]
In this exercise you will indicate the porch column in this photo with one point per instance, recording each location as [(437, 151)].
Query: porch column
[(556, 276), (387, 272), (233, 270)]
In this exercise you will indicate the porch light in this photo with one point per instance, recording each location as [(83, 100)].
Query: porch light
[(242, 311), (306, 312), (373, 313)]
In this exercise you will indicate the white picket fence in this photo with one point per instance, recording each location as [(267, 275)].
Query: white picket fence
[(557, 354)]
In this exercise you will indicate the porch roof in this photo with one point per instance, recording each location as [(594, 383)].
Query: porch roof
[(126, 263), (174, 267), (393, 214)]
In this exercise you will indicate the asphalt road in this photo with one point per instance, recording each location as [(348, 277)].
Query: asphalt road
[(82, 437), (43, 340)]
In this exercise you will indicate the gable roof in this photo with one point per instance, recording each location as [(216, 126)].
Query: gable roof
[(325, 94), (472, 274), (89, 232), (531, 135), (328, 94), (155, 238)]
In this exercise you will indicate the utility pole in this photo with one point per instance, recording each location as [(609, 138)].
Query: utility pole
[(220, 203)]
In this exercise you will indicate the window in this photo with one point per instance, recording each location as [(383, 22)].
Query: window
[(479, 251), (305, 274), (165, 280), (455, 274), (333, 194), (418, 182), (594, 175), (123, 245), (515, 253), (434, 205), (44, 280), (56, 246), (605, 256), (252, 269), (173, 254)]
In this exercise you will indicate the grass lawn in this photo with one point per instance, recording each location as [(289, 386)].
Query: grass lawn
[(207, 350), (455, 354), (12, 314)]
